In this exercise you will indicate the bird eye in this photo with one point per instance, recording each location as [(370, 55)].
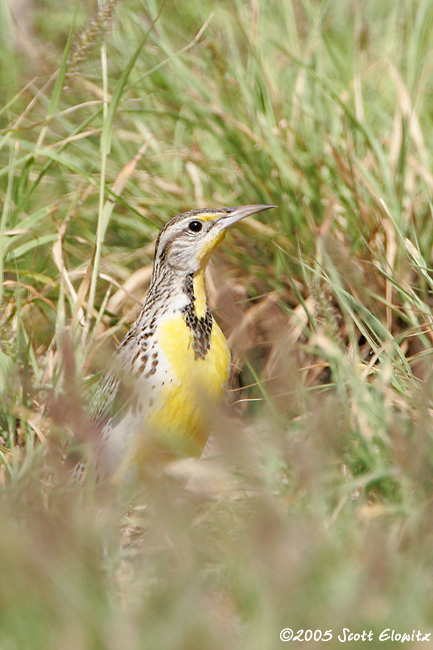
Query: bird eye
[(195, 226)]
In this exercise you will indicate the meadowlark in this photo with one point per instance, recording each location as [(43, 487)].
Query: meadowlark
[(170, 370)]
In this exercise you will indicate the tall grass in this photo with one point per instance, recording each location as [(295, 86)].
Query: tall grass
[(312, 508)]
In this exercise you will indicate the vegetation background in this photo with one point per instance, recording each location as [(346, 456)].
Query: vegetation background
[(313, 507)]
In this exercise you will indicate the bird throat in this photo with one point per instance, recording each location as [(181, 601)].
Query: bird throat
[(199, 289), (197, 315)]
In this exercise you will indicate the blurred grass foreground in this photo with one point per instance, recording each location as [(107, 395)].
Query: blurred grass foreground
[(312, 508)]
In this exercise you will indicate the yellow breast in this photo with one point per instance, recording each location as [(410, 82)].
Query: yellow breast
[(193, 386)]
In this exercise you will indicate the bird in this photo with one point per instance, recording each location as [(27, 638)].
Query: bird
[(168, 375)]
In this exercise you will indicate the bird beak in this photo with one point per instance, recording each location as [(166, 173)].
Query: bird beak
[(236, 214)]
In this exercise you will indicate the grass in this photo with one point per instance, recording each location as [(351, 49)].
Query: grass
[(313, 509)]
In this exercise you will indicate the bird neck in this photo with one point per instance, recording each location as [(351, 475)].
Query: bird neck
[(187, 291), (197, 315), (172, 293), (200, 298), (195, 290)]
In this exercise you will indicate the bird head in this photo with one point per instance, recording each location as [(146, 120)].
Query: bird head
[(187, 241)]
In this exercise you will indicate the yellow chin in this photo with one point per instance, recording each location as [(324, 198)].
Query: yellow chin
[(208, 248)]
